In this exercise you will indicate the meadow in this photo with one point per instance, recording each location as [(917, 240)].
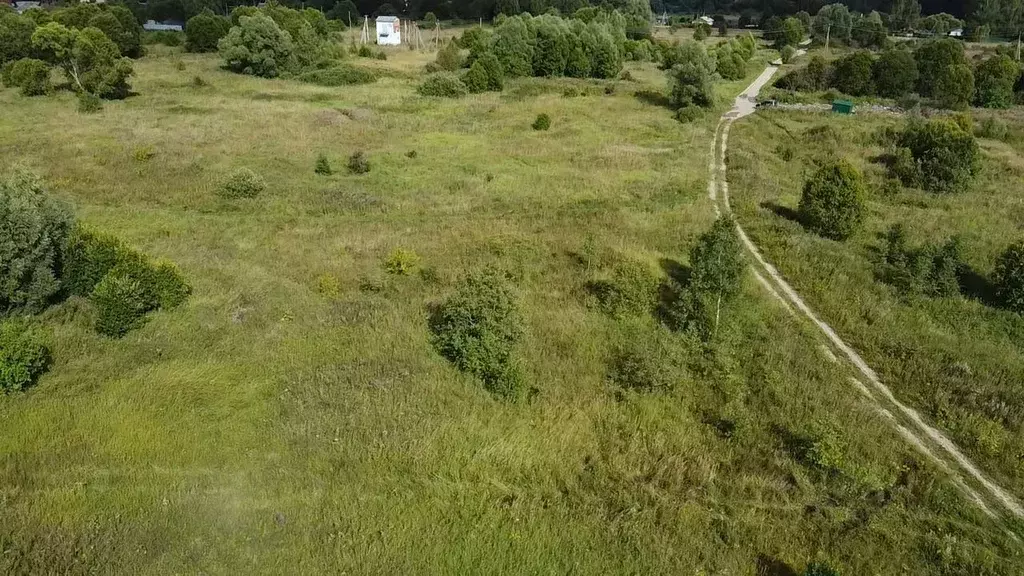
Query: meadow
[(292, 416)]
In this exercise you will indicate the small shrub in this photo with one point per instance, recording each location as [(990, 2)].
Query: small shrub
[(364, 52), (632, 289), (30, 75), (475, 78), (626, 76), (410, 154), (716, 272), (689, 114), (199, 82), (931, 270), (832, 204), (169, 285), (381, 55), (143, 153), (327, 285), (121, 304), (89, 103), (543, 122), (1009, 278), (24, 354), (787, 53), (89, 256), (401, 262), (323, 166), (947, 157), (34, 227), (449, 58), (338, 76), (180, 66), (358, 163), (641, 364), (478, 328), (443, 84), (242, 183), (992, 128)]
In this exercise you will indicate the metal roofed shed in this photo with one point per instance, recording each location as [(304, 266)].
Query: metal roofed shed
[(389, 31)]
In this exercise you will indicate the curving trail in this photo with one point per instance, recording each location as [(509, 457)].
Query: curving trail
[(907, 422)]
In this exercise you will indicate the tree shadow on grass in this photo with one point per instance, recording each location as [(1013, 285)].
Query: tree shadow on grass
[(782, 211), (654, 98), (670, 291), (768, 566), (977, 287)]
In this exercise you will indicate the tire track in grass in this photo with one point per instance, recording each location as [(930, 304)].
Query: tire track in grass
[(772, 280)]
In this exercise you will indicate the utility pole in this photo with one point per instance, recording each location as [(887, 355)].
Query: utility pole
[(828, 36), (1018, 46)]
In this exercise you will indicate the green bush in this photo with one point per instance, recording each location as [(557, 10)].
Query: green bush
[(995, 79), (257, 46), (449, 58), (853, 74), (542, 122), (31, 76), (89, 103), (494, 71), (89, 256), (1009, 278), (166, 37), (120, 303), (401, 262), (338, 76), (358, 163), (931, 270), (169, 285), (90, 60), (692, 76), (947, 158), (895, 73), (443, 84), (513, 46), (632, 289), (24, 354), (242, 183), (364, 52), (475, 78), (204, 30), (944, 72), (993, 128), (832, 203), (15, 37), (323, 166), (701, 31), (787, 54), (689, 114), (34, 227), (478, 328), (641, 364)]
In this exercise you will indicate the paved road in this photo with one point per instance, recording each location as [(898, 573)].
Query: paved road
[(907, 422)]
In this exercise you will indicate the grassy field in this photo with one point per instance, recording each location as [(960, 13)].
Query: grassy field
[(293, 418), (957, 359)]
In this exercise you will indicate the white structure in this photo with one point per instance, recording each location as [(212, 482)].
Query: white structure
[(707, 20), (389, 31), (20, 7), (154, 26), (958, 33)]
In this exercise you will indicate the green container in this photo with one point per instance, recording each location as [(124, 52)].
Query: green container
[(842, 106)]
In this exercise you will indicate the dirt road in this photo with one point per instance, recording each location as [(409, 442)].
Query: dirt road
[(906, 421)]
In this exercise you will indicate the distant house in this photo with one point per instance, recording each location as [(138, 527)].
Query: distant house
[(389, 31), (707, 20), (958, 33), (169, 26), (20, 7)]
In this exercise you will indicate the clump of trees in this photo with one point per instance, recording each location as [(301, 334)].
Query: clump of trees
[(478, 329), (86, 42), (833, 200), (692, 73), (204, 30), (937, 70), (935, 155), (46, 257)]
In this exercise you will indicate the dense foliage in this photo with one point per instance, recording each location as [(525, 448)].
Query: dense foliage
[(936, 155), (30, 75), (242, 183), (34, 227), (833, 200), (692, 76), (204, 30), (932, 269), (443, 84), (89, 59), (478, 328), (995, 79), (1009, 278), (24, 354), (257, 46), (895, 73)]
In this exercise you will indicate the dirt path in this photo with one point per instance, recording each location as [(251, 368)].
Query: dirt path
[(907, 422)]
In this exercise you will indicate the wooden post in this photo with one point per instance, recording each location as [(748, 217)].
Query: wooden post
[(828, 36)]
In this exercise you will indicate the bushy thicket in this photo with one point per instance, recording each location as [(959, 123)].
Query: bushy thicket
[(341, 75), (443, 84), (274, 40), (485, 74), (34, 227), (89, 59), (122, 284), (24, 354), (478, 329), (716, 270), (204, 30), (30, 75), (692, 72), (631, 288), (1009, 278), (937, 70), (833, 200), (935, 155), (242, 183), (930, 270)]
